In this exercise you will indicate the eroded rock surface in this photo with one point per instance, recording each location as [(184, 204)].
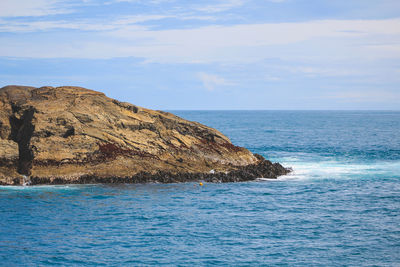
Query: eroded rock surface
[(74, 135)]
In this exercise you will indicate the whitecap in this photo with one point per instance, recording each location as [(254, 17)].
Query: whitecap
[(39, 187), (339, 169)]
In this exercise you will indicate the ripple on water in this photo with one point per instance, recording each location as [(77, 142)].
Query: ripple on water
[(340, 206)]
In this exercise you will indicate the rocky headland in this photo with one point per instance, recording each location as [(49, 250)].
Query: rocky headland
[(68, 135)]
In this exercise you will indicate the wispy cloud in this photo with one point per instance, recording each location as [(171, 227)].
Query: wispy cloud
[(133, 22), (220, 6), (324, 71), (277, 1), (136, 1), (314, 40), (271, 78), (83, 24), (212, 81), (18, 8), (373, 96)]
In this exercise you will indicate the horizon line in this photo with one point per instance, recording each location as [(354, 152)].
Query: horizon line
[(395, 110)]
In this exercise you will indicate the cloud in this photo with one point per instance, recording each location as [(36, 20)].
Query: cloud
[(212, 81), (271, 78), (136, 1), (324, 40), (314, 71), (366, 96), (250, 42), (83, 25), (134, 22), (18, 8), (220, 7)]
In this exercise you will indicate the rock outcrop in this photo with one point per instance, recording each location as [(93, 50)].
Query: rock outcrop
[(74, 135)]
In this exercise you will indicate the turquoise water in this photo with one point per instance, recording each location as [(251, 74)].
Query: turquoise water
[(340, 206)]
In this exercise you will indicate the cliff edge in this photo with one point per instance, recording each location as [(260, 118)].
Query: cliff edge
[(75, 135)]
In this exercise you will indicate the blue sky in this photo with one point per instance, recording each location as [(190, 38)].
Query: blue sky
[(232, 54)]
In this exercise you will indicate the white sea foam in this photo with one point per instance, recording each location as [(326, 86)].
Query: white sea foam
[(265, 179), (337, 170), (39, 187)]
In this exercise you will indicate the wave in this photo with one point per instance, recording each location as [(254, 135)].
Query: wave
[(328, 169), (40, 187)]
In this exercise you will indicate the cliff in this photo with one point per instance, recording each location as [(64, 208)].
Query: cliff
[(74, 135)]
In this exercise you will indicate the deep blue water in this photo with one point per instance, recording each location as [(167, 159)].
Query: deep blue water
[(340, 206)]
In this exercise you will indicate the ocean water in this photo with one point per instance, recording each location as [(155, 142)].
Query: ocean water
[(339, 207)]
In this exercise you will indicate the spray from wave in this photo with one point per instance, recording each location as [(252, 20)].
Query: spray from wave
[(339, 169)]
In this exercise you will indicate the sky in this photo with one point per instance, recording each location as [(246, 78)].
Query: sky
[(209, 55)]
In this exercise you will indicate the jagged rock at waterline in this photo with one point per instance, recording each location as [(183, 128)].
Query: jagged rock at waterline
[(75, 135)]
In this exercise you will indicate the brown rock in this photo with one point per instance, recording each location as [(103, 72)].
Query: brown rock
[(75, 135)]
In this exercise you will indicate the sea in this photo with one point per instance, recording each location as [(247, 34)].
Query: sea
[(339, 207)]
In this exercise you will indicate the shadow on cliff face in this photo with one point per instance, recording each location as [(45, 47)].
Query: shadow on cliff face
[(21, 132)]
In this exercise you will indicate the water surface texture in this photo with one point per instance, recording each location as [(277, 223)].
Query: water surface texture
[(340, 206)]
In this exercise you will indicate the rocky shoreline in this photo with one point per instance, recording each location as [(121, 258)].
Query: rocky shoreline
[(73, 135), (263, 169)]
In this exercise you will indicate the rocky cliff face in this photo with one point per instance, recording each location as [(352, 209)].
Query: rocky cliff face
[(75, 135)]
